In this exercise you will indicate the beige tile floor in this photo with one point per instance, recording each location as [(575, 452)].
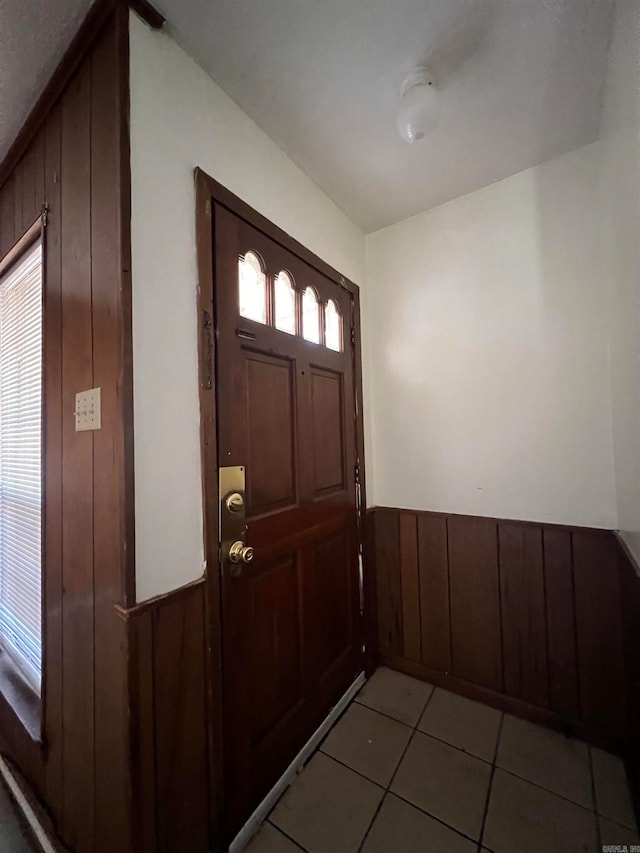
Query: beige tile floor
[(413, 769)]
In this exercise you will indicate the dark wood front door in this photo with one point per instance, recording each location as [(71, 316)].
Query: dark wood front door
[(291, 618)]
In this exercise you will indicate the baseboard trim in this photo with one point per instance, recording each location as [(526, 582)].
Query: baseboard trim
[(504, 703), (256, 820), (38, 833)]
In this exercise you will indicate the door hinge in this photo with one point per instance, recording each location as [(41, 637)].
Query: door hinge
[(353, 336), (208, 330), (44, 215)]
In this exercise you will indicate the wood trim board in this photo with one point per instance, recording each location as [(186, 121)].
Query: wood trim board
[(148, 13), (33, 233)]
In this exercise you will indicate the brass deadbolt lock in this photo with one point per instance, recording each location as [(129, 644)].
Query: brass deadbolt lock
[(240, 553), (234, 502)]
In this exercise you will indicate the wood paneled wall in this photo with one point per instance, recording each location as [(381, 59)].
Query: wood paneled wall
[(630, 596), (169, 762), (525, 616), (77, 164)]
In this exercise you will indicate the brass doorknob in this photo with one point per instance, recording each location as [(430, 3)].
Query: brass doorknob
[(234, 502), (240, 553)]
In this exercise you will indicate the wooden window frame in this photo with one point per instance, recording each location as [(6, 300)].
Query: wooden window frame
[(26, 703), (209, 191)]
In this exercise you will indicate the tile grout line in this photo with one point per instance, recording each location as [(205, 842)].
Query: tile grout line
[(433, 817), (453, 746), (393, 775), (415, 731), (335, 723), (422, 713), (318, 749), (491, 775), (395, 794), (388, 716), (421, 732), (593, 797), (542, 788), (493, 765), (286, 835), (353, 770)]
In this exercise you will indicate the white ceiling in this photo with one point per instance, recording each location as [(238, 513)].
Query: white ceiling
[(519, 81), (33, 37)]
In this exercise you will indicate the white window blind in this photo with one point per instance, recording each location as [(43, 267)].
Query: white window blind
[(21, 462)]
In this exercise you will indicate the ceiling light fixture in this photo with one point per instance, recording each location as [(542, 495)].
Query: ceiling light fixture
[(417, 112)]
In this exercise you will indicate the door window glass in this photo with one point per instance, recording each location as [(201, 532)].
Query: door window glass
[(310, 316), (332, 326), (252, 288), (285, 304)]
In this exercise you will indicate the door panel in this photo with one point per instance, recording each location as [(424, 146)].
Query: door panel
[(328, 425), (270, 428), (276, 680), (326, 584), (291, 621)]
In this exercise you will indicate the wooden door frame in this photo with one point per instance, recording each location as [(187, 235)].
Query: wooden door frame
[(208, 191)]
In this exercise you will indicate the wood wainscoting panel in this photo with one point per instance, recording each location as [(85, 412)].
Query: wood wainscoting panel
[(476, 645), (525, 616), (169, 723), (142, 734), (524, 645), (630, 598), (598, 630), (410, 587), (111, 701), (386, 537), (561, 618), (77, 456), (53, 578), (7, 216), (179, 680), (434, 592)]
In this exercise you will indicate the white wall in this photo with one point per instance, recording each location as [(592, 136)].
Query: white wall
[(620, 150), (490, 387), (502, 354), (180, 119)]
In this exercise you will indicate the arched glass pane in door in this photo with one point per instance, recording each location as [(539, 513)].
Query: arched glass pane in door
[(332, 326), (252, 288), (310, 316), (285, 303)]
